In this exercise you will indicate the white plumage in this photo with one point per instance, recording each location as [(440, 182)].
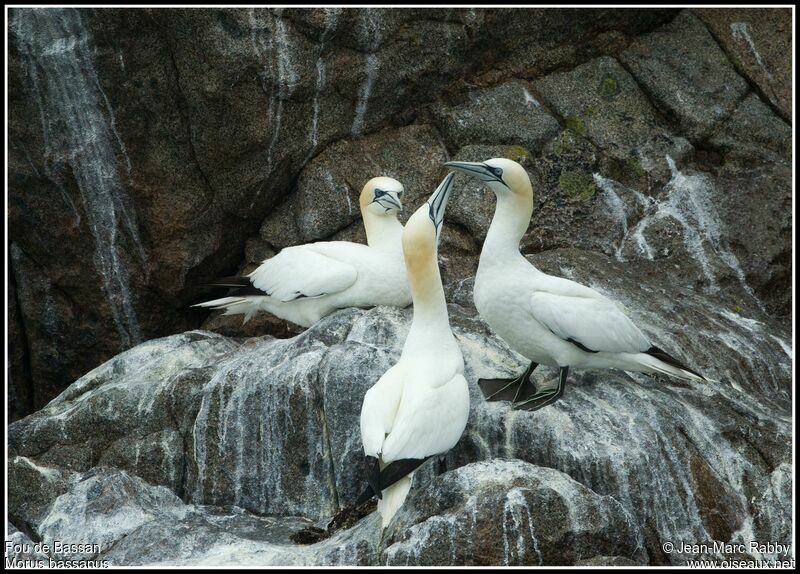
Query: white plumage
[(419, 407), (304, 283), (308, 271), (550, 320)]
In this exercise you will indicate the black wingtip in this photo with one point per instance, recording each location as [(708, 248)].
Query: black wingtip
[(662, 355), (234, 281), (365, 496), (390, 474), (373, 476), (241, 285)]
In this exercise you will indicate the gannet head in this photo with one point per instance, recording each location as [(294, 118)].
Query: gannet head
[(422, 230), (502, 175), (382, 196)]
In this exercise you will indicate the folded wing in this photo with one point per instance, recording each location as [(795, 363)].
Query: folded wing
[(430, 420), (301, 271), (593, 323)]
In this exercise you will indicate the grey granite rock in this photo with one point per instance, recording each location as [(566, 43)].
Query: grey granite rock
[(684, 69), (271, 426), (505, 114)]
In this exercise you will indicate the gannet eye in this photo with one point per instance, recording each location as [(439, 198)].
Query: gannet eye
[(498, 172), (379, 193)]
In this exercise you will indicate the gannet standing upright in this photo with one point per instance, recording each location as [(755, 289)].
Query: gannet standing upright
[(550, 320), (419, 407), (304, 283)]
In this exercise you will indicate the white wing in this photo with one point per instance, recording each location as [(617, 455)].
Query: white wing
[(379, 409), (302, 271), (430, 420), (587, 318)]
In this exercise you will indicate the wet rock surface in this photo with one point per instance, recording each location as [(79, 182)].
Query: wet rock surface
[(152, 150), (513, 513), (199, 423)]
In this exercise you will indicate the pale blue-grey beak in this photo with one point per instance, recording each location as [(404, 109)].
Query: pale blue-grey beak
[(478, 170), (388, 200), (438, 201)]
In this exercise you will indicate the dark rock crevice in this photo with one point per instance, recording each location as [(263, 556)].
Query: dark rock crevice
[(22, 391)]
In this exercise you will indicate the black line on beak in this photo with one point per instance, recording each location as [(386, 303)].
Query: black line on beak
[(478, 170), (438, 201)]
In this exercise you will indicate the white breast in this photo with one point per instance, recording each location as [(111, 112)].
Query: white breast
[(500, 296)]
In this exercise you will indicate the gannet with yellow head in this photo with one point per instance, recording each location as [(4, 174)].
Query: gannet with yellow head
[(304, 283), (419, 407), (550, 320)]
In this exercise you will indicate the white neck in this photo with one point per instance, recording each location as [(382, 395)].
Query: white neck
[(511, 218), (383, 232), (430, 323)]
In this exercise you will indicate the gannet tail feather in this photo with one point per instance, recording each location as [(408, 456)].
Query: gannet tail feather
[(393, 498), (234, 306), (222, 303), (662, 362)]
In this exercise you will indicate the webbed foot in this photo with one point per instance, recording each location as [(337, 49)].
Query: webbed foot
[(508, 389), (544, 397)]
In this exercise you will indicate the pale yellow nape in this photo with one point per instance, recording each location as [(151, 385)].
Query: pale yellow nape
[(419, 248)]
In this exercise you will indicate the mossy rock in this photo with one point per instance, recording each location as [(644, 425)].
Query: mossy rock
[(566, 143), (629, 171), (516, 153), (576, 185), (608, 88), (576, 125)]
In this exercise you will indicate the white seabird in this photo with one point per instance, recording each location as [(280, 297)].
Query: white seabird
[(304, 283), (419, 407), (549, 320)]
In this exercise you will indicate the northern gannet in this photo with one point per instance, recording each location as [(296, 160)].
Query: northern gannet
[(304, 283), (419, 407), (549, 320)]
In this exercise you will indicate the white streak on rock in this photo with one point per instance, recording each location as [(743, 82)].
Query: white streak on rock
[(529, 99), (369, 34), (331, 17), (80, 131), (741, 33)]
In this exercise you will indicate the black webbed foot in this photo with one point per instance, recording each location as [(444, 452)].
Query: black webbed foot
[(544, 397), (508, 389)]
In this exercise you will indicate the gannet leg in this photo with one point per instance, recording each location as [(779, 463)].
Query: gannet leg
[(545, 397), (509, 389), (442, 466)]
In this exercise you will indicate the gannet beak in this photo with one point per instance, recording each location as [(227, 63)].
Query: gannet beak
[(474, 169), (438, 202), (388, 200)]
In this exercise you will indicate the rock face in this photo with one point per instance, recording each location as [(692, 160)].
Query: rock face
[(544, 517), (755, 41), (687, 73), (226, 446), (152, 150)]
